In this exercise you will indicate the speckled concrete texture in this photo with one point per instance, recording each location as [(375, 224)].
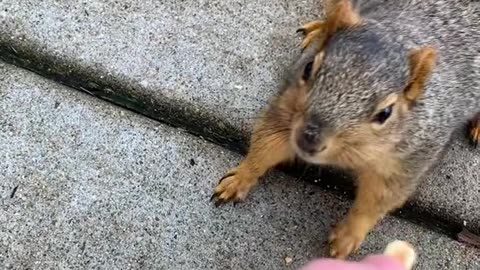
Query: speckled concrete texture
[(220, 58), (217, 55), (87, 185), (452, 188), (206, 66)]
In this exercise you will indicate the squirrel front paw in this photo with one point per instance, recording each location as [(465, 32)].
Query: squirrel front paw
[(345, 239), (234, 186), (312, 31), (474, 130)]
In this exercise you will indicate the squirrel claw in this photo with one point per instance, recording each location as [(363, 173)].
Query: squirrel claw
[(219, 202), (233, 187), (311, 26), (312, 31), (301, 30)]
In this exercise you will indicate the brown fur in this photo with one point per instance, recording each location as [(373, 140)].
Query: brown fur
[(474, 130), (375, 197), (269, 146), (270, 142)]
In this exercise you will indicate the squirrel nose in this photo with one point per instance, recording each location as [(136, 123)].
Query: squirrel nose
[(309, 139)]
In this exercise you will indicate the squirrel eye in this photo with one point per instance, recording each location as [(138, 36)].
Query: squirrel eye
[(307, 72), (383, 115)]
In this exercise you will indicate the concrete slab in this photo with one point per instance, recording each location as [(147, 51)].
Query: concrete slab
[(85, 184), (206, 66), (220, 59)]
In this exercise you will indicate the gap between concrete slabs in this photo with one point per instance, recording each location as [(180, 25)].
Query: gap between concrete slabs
[(441, 203), (97, 82)]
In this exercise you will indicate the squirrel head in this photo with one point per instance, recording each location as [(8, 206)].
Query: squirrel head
[(362, 85)]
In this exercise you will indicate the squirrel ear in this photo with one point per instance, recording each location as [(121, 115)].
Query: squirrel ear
[(340, 14), (422, 63)]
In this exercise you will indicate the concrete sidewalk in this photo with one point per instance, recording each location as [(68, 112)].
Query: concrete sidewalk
[(205, 66), (87, 185)]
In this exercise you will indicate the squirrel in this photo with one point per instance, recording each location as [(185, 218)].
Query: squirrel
[(378, 89)]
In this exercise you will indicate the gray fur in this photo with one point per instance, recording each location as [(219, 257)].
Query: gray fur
[(365, 64)]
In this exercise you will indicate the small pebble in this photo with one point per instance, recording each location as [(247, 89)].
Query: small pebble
[(288, 260)]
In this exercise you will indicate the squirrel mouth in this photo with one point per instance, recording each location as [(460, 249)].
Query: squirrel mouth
[(308, 146), (313, 158), (312, 155)]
